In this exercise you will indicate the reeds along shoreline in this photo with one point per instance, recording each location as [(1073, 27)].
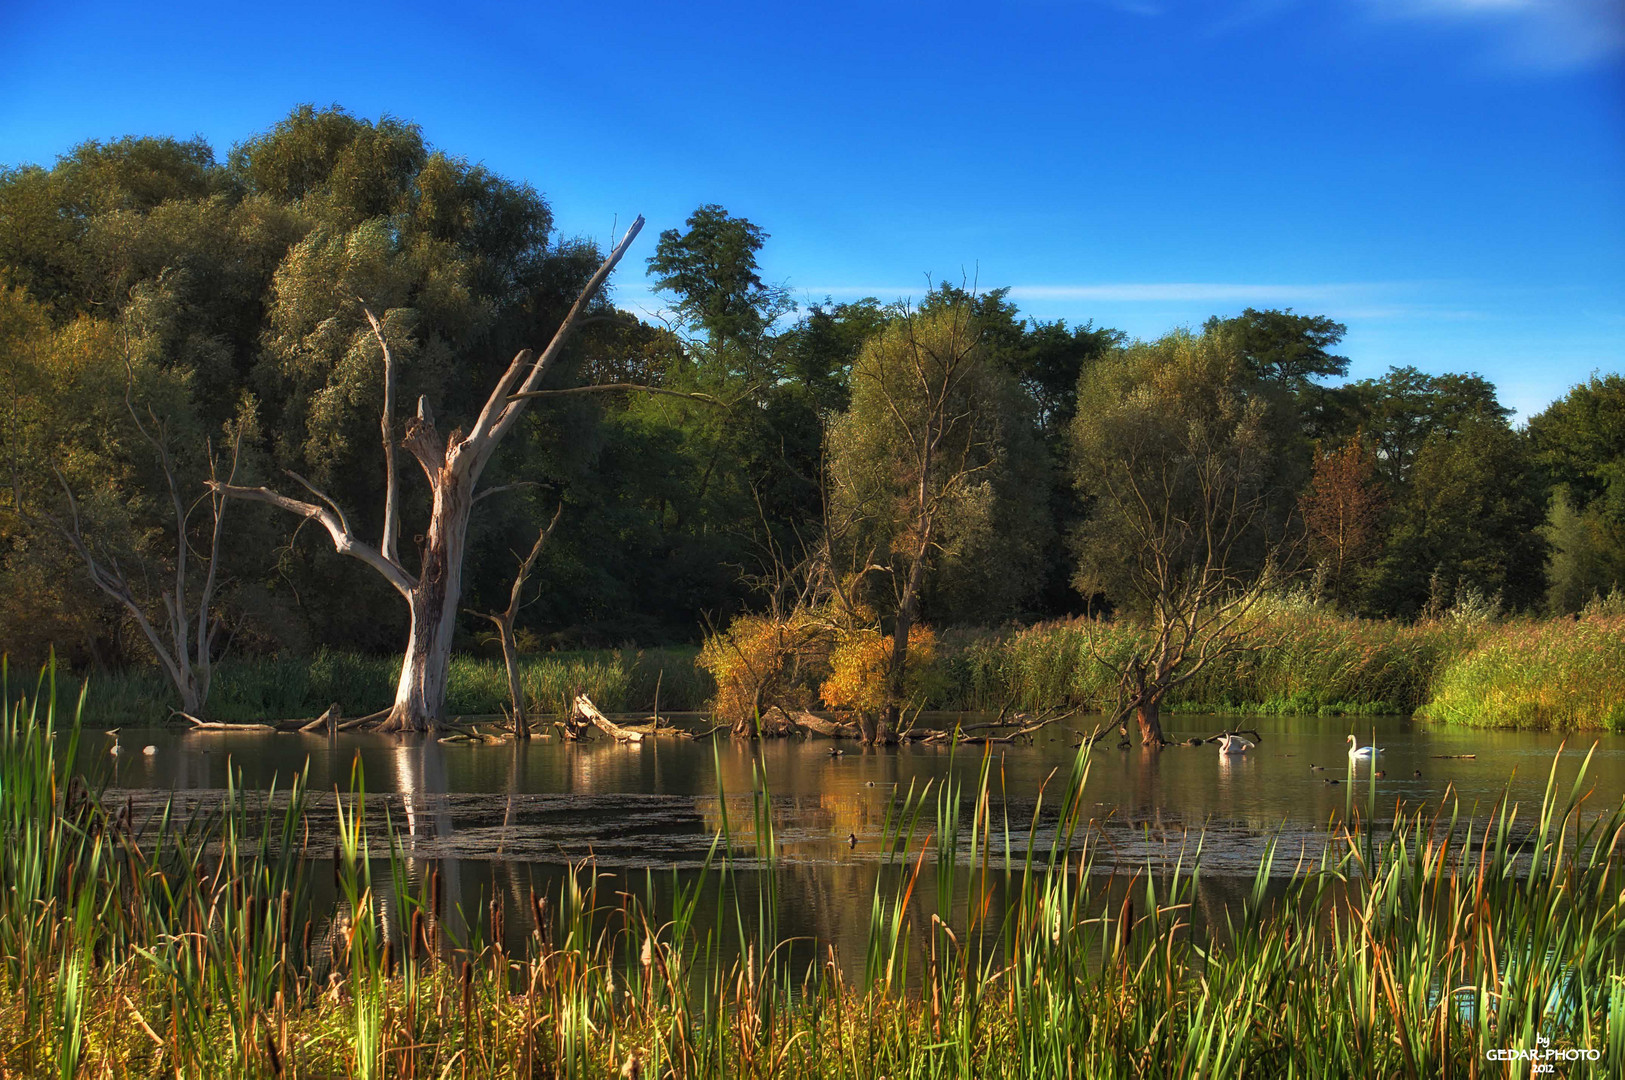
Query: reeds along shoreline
[(1535, 674), (194, 948), (271, 688)]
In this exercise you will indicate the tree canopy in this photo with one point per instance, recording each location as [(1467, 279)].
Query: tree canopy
[(159, 282)]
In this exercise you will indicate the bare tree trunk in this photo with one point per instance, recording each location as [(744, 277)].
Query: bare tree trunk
[(908, 610), (504, 621), (420, 694), (453, 469), (1148, 713), (187, 656), (868, 728), (516, 692)]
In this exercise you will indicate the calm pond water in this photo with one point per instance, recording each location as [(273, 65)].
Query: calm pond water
[(510, 816)]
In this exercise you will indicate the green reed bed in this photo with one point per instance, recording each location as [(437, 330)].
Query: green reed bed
[(1289, 663), (1560, 674), (276, 688), (194, 948)]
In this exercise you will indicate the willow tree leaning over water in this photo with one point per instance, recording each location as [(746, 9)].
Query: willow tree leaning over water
[(453, 466), (1172, 446)]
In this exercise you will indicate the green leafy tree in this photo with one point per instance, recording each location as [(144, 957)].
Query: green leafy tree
[(1400, 411), (711, 271), (1469, 518), (935, 479), (1047, 360), (1579, 445), (1172, 447), (1283, 349), (1290, 355), (109, 465), (822, 347), (1587, 554), (754, 487)]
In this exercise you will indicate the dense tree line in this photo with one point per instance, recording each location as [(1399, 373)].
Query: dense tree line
[(165, 312)]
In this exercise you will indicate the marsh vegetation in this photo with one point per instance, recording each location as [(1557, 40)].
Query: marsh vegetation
[(213, 944)]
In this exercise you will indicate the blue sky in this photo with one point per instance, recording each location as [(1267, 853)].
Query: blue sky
[(1445, 176)]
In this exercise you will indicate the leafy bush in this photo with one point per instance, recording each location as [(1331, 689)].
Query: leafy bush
[(760, 661), (861, 660)]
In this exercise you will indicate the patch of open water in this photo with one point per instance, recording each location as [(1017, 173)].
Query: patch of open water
[(510, 817)]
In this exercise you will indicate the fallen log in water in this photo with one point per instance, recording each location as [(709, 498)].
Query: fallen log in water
[(656, 725), (585, 709), (328, 719), (217, 725), (958, 734), (1257, 738), (829, 729), (458, 733), (362, 721)]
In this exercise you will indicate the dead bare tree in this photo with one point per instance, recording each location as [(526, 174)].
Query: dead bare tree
[(453, 467), (504, 620), (182, 631)]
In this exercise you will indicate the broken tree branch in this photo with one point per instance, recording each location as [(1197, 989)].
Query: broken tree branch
[(392, 515), (344, 542), (585, 709)]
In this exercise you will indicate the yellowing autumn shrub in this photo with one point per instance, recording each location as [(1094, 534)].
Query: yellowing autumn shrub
[(760, 661), (859, 663)]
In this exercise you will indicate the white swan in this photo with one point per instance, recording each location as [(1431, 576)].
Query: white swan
[(149, 751), (1362, 753), (1233, 744)]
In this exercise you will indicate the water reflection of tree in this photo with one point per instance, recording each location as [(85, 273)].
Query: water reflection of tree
[(419, 767)]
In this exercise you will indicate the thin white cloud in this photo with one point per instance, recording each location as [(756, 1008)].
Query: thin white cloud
[(1548, 35)]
